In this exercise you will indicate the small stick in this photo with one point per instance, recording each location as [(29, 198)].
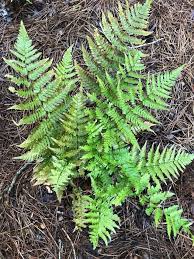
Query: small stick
[(9, 188), (68, 237), (18, 173), (146, 44)]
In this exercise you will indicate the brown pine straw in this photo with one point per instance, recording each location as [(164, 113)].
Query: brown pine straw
[(32, 223)]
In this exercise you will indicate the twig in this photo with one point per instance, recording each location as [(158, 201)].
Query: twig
[(146, 44), (18, 173), (68, 237), (9, 188), (60, 249)]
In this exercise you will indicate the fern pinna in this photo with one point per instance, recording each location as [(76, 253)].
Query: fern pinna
[(94, 133)]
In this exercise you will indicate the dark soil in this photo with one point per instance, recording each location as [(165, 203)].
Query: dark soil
[(33, 225)]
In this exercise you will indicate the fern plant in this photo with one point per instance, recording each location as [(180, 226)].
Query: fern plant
[(93, 134), (123, 95)]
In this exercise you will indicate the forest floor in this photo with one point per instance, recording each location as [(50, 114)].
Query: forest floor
[(33, 225)]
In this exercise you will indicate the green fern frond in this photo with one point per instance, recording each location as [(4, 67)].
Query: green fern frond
[(172, 215), (79, 207), (60, 176), (87, 79), (67, 148), (158, 89), (114, 71), (36, 150), (134, 22), (74, 130), (175, 222), (27, 63), (158, 214), (65, 68), (46, 93), (161, 165), (109, 49), (102, 221), (154, 199)]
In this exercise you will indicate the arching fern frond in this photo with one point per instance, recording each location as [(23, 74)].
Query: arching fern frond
[(109, 47), (45, 93), (161, 166), (66, 148)]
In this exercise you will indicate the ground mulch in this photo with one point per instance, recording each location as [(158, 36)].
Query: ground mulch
[(33, 224)]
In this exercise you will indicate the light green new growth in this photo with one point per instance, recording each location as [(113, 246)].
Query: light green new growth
[(93, 134), (60, 175), (101, 219)]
